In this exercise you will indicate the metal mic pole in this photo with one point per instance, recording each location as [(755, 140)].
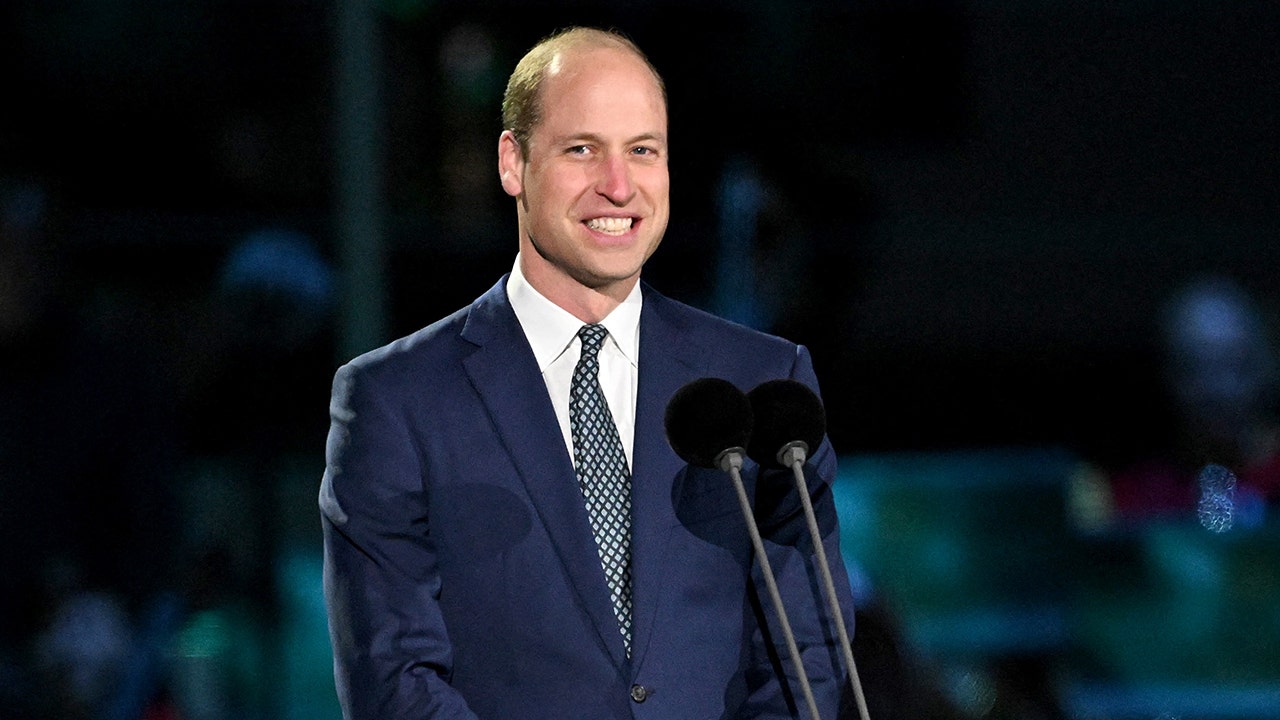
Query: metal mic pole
[(793, 455), (731, 462)]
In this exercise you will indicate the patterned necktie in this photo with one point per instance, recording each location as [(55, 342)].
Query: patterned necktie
[(603, 474)]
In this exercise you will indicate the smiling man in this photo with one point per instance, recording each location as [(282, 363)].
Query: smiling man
[(507, 532), (590, 174)]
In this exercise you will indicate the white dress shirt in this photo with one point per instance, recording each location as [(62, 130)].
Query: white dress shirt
[(553, 334)]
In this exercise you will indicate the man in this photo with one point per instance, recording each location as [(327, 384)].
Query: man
[(476, 564)]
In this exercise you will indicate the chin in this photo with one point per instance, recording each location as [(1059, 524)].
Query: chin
[(601, 276)]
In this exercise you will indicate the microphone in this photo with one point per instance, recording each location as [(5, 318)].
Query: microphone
[(708, 421), (708, 424), (789, 420), (790, 423)]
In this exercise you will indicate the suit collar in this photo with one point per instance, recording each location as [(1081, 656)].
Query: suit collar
[(550, 328), (505, 375), (670, 356)]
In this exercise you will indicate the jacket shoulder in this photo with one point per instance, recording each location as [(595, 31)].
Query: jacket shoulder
[(435, 352), (703, 324)]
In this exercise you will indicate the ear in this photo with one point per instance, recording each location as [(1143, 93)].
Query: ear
[(510, 164)]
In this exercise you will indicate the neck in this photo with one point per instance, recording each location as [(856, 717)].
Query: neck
[(590, 304)]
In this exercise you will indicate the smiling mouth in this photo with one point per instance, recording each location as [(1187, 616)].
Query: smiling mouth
[(610, 225)]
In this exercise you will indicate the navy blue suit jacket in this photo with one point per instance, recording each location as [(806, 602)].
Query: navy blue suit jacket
[(461, 574)]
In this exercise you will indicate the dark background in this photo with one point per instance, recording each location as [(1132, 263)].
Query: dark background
[(982, 201)]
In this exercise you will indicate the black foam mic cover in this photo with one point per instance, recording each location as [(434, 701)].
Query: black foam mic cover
[(706, 417), (784, 411)]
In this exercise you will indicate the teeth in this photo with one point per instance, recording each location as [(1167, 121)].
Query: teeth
[(610, 225)]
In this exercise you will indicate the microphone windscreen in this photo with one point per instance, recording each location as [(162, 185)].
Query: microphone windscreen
[(706, 417), (784, 411)]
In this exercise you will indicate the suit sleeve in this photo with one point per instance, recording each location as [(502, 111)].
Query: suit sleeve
[(392, 657), (774, 688)]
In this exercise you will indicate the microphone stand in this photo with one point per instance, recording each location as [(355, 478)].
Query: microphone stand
[(731, 462), (793, 455)]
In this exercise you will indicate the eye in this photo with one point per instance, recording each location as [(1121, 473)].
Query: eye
[(577, 150)]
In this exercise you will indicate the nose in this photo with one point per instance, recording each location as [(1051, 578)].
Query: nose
[(615, 182)]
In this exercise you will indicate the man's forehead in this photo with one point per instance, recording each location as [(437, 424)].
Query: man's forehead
[(577, 58)]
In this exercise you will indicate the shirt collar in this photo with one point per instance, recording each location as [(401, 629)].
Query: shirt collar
[(551, 329)]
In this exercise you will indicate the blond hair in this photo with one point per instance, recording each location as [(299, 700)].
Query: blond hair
[(521, 108)]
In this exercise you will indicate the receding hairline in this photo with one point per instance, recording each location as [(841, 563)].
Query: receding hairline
[(583, 35), (546, 58), (550, 50)]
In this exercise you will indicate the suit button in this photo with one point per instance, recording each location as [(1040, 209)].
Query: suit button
[(639, 693)]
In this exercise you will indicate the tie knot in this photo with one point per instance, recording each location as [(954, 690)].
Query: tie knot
[(592, 337)]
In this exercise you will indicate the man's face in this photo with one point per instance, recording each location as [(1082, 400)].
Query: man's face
[(592, 186)]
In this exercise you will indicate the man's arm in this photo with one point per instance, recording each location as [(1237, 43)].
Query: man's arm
[(392, 657)]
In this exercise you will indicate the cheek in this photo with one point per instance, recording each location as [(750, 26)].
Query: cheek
[(558, 192), (658, 186)]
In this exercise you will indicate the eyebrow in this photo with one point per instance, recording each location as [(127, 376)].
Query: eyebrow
[(599, 140)]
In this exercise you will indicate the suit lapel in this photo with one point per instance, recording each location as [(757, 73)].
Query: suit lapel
[(669, 358), (505, 374)]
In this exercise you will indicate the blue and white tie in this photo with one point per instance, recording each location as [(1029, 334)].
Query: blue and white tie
[(603, 474)]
